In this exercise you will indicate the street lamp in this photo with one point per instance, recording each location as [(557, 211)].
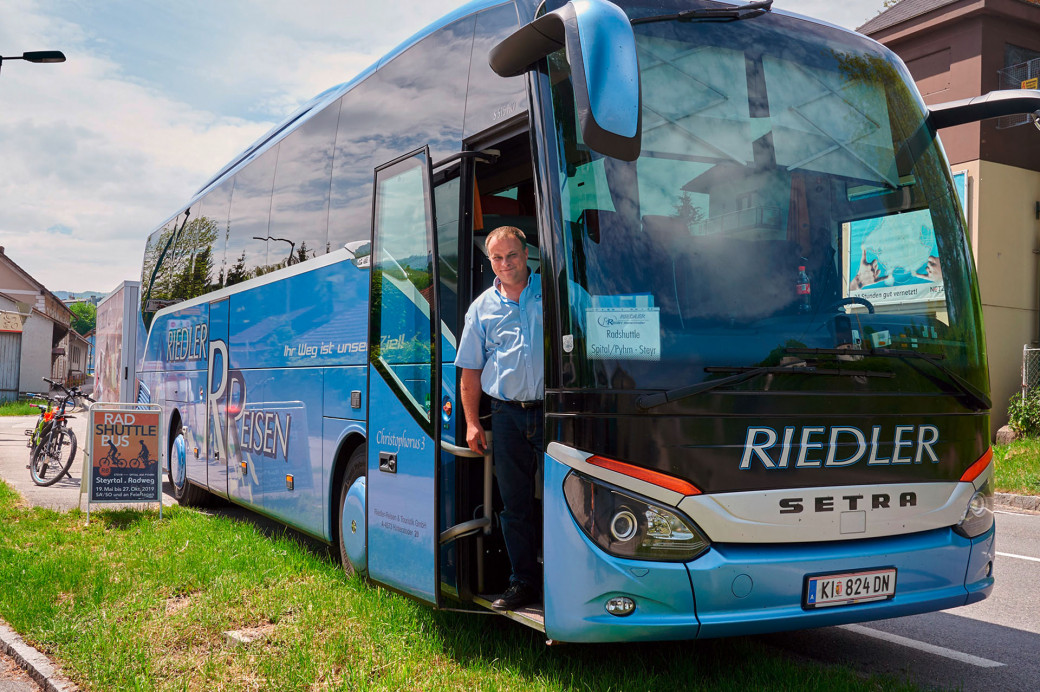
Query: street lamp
[(292, 246), (37, 56)]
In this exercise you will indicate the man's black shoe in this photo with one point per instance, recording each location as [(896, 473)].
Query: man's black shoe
[(516, 596)]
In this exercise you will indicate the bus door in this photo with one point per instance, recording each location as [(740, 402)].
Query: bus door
[(404, 362), (215, 399)]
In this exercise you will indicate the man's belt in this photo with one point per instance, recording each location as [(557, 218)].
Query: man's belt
[(537, 403)]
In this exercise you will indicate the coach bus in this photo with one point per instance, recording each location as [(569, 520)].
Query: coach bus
[(766, 386)]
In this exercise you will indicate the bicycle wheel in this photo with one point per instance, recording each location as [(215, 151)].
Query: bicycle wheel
[(53, 458)]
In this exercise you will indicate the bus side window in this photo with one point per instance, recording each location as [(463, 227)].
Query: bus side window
[(249, 222), (300, 202)]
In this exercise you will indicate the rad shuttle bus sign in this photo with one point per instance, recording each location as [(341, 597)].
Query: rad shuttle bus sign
[(124, 446)]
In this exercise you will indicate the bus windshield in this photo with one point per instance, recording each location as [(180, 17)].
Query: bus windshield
[(789, 204)]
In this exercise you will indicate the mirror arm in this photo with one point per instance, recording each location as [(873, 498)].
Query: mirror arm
[(991, 105), (520, 51), (609, 109)]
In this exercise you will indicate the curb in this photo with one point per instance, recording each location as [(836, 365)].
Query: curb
[(34, 662), (1029, 503)]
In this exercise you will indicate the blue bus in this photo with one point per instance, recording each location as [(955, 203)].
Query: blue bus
[(766, 395)]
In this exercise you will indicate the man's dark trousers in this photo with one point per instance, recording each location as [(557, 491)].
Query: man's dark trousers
[(517, 441)]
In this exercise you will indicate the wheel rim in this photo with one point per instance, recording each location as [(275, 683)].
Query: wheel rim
[(46, 458), (352, 526), (179, 462), (40, 464)]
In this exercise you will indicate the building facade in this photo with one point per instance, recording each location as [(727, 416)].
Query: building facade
[(35, 333)]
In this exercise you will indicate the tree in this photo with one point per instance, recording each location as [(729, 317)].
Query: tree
[(238, 273), (685, 210), (84, 317)]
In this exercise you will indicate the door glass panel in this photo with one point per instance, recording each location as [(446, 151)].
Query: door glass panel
[(402, 285), (446, 197)]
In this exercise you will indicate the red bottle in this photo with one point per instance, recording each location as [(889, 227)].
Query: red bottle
[(803, 290)]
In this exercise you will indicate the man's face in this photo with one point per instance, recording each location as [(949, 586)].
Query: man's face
[(508, 259)]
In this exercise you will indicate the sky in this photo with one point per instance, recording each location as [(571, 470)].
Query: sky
[(155, 97)]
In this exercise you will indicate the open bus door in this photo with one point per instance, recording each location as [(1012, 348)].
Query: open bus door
[(404, 364)]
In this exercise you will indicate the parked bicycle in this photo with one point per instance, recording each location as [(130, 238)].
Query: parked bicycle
[(43, 420), (55, 442)]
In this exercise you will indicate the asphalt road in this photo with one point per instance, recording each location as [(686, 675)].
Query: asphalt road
[(990, 645)]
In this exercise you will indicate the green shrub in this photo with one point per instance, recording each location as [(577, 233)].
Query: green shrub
[(1024, 413), (16, 408)]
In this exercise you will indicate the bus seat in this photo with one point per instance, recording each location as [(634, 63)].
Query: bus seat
[(623, 255), (499, 206)]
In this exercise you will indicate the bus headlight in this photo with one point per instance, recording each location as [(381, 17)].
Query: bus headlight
[(628, 526), (978, 516)]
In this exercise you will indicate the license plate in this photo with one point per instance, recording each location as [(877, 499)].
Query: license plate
[(851, 587)]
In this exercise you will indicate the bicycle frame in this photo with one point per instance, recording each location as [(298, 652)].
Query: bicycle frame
[(45, 417)]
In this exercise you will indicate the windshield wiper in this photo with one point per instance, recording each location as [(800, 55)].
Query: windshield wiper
[(977, 397), (649, 401), (718, 14)]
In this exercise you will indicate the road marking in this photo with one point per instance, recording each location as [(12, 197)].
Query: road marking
[(1020, 557), (922, 646)]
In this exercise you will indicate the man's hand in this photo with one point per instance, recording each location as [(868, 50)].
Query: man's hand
[(470, 396), (475, 438)]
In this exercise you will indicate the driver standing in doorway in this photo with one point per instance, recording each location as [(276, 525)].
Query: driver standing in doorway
[(501, 353)]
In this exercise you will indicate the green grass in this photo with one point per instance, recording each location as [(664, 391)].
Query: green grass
[(132, 603), (1018, 467), (17, 408)]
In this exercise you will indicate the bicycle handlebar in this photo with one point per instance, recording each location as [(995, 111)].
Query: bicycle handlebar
[(69, 393)]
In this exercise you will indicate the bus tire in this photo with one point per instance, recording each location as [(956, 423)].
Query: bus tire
[(353, 552), (186, 494)]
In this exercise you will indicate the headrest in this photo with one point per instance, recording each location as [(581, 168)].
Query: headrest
[(596, 220)]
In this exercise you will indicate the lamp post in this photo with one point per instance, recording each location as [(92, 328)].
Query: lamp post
[(292, 246), (36, 56)]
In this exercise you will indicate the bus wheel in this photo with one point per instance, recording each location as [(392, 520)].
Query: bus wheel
[(184, 492), (353, 552)]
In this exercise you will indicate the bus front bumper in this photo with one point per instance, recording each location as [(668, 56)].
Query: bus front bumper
[(740, 589)]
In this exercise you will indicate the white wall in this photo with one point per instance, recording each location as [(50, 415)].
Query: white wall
[(1005, 233), (36, 354)]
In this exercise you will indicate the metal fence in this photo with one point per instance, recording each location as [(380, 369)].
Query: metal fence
[(1012, 77), (1030, 369)]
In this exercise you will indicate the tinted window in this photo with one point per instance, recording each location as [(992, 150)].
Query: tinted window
[(350, 206), (785, 205), (414, 100), (155, 270), (216, 207), (446, 204), (492, 99), (180, 259), (248, 224), (201, 246), (300, 204)]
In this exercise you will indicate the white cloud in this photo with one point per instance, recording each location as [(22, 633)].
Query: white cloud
[(157, 96), (847, 13)]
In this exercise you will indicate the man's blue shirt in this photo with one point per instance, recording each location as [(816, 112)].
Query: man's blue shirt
[(503, 339)]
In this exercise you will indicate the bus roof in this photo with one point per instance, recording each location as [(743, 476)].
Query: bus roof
[(316, 104), (527, 9)]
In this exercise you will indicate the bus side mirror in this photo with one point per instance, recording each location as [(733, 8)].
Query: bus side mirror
[(601, 50), (991, 105)]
